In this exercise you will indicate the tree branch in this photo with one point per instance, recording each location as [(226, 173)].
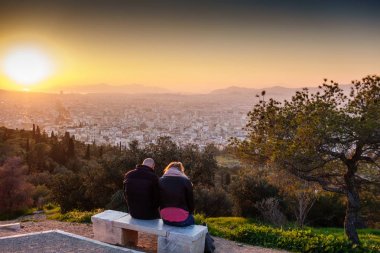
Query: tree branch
[(369, 160), (365, 180)]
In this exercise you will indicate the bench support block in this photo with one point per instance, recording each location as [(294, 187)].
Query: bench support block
[(174, 243)]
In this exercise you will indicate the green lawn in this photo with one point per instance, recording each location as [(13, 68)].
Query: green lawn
[(307, 240)]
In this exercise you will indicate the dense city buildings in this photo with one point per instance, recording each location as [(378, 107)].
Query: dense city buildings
[(119, 119)]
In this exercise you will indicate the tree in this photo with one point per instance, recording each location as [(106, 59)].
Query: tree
[(71, 148), (87, 156), (164, 151), (327, 137), (15, 192)]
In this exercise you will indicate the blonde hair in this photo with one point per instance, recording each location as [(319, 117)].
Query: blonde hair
[(177, 165)]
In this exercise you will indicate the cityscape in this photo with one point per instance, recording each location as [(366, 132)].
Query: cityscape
[(119, 119)]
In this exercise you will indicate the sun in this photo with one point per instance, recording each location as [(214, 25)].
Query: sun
[(27, 65)]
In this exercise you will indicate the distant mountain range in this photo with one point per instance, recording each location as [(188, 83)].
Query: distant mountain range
[(276, 92), (236, 90), (232, 93)]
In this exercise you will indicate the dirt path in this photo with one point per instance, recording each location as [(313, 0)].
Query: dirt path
[(147, 243)]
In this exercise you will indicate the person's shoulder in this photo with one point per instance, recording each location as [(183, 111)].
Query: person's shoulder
[(175, 178), (187, 181), (130, 173), (146, 171)]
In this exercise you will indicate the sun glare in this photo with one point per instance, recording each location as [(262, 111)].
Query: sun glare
[(27, 65)]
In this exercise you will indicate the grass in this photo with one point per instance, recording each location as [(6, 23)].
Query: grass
[(369, 236), (16, 215), (54, 213)]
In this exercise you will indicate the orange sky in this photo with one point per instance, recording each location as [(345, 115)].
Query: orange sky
[(214, 49)]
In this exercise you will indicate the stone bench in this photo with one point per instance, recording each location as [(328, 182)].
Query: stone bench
[(120, 228)]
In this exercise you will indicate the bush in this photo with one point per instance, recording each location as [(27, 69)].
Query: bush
[(269, 209), (118, 202), (15, 191), (75, 216), (297, 240), (41, 195), (212, 202), (328, 211), (248, 189)]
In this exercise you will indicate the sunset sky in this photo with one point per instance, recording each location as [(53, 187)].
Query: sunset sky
[(190, 47)]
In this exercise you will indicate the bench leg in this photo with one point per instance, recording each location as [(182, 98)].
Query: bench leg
[(129, 237), (173, 244), (104, 232)]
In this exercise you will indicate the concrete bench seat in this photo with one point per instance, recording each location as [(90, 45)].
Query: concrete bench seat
[(120, 228)]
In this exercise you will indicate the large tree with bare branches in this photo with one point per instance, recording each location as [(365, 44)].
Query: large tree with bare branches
[(330, 137)]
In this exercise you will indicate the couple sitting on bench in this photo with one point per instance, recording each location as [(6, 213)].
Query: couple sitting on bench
[(169, 197), (150, 198)]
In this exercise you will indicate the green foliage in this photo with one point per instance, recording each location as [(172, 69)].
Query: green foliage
[(296, 240), (212, 202), (247, 189), (15, 191), (75, 216), (325, 137), (86, 177), (41, 195), (16, 214), (328, 210), (118, 202)]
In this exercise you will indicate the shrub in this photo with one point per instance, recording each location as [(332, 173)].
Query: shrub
[(75, 216), (297, 240), (212, 201), (15, 191), (270, 210), (41, 195), (247, 189), (328, 211), (118, 202)]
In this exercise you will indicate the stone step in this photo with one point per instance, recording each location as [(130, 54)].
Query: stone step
[(11, 226)]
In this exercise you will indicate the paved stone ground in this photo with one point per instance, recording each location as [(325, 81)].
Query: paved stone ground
[(55, 241), (146, 243)]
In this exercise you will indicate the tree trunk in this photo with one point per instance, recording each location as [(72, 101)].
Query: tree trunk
[(353, 206)]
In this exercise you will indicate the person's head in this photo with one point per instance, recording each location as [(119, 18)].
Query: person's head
[(149, 162), (177, 165)]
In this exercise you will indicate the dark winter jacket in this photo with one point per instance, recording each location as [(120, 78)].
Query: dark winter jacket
[(176, 192), (141, 192)]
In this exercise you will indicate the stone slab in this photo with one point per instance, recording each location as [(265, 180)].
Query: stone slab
[(148, 226), (108, 215)]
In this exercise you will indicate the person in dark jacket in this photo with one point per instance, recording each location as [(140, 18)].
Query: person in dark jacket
[(141, 191), (176, 196)]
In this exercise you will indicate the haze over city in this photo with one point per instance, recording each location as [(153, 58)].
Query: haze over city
[(185, 47)]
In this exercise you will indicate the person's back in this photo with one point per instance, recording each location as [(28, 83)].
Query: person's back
[(177, 201), (142, 192), (176, 196)]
